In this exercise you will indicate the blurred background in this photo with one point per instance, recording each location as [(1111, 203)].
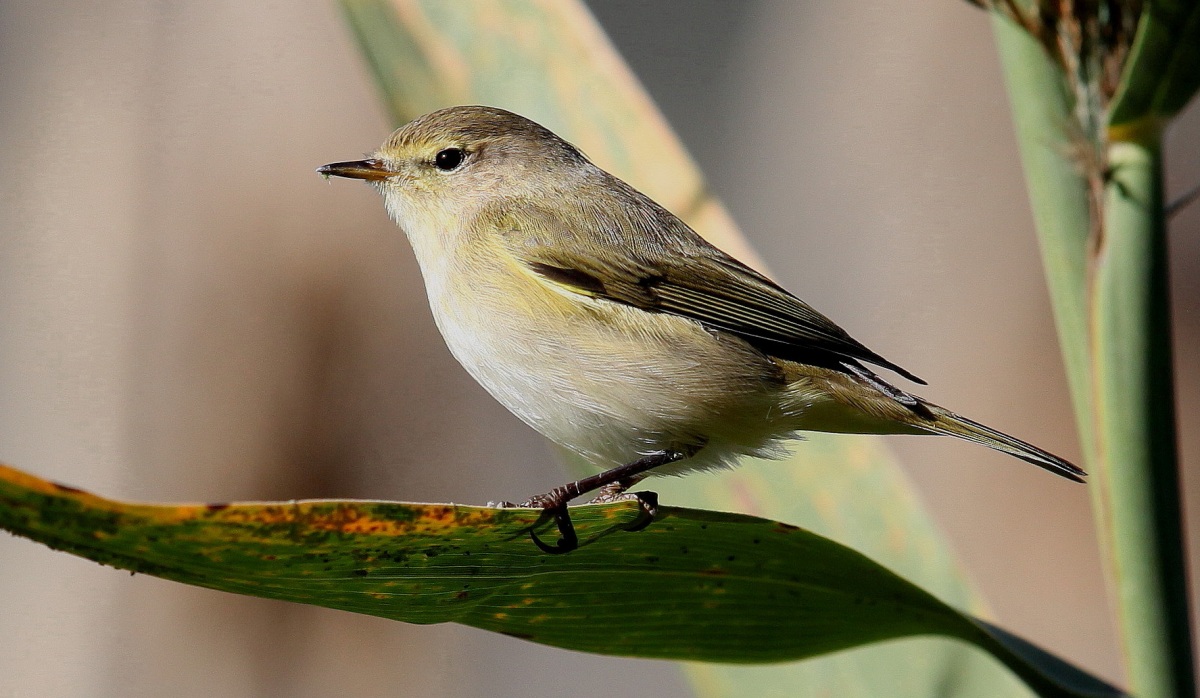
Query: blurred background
[(187, 312)]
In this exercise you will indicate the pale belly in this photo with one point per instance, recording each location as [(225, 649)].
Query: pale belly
[(613, 383)]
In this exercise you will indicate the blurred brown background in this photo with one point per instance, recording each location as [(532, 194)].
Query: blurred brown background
[(187, 312)]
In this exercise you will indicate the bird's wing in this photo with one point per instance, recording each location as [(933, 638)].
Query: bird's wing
[(633, 263)]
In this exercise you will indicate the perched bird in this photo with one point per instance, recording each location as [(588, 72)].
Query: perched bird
[(605, 323)]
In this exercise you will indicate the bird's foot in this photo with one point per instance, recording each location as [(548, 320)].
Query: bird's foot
[(555, 504), (647, 503)]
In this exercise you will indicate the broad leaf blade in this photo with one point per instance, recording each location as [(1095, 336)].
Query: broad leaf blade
[(692, 585), (776, 592)]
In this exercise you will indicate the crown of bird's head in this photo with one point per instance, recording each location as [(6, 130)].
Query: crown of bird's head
[(466, 151)]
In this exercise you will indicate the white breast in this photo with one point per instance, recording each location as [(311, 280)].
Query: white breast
[(614, 383)]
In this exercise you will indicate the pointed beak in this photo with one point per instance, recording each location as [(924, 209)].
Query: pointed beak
[(370, 170)]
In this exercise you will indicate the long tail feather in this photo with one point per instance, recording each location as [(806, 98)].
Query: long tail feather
[(950, 424), (869, 395)]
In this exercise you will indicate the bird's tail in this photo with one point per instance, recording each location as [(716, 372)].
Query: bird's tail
[(945, 422), (888, 407)]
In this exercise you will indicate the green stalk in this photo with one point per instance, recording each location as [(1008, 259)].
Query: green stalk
[(1106, 265), (1058, 194), (1135, 422), (1064, 219)]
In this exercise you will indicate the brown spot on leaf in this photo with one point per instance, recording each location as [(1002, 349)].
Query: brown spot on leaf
[(440, 514)]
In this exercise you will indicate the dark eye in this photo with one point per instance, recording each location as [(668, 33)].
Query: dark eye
[(448, 159)]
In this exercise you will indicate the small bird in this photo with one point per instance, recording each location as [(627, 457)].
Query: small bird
[(607, 324)]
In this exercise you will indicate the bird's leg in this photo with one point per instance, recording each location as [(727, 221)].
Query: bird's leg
[(555, 501)]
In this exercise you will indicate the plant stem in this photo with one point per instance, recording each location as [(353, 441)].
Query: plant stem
[(1137, 473), (1058, 196), (1112, 309)]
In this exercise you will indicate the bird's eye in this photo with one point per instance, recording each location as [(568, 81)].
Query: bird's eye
[(448, 159)]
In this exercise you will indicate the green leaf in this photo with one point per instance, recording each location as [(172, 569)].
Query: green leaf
[(692, 585), (1162, 72)]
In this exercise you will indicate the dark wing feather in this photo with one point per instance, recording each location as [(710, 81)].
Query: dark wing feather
[(681, 274), (730, 296)]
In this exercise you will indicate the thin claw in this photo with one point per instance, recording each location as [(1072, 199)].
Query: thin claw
[(567, 541), (648, 502)]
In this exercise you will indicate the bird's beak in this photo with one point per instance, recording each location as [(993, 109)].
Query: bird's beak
[(371, 170)]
